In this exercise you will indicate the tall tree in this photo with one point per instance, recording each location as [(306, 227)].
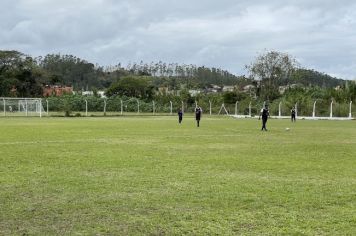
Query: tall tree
[(19, 75), (132, 86), (271, 67), (70, 70)]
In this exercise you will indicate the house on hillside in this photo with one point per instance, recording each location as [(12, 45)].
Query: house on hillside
[(101, 94), (337, 88), (248, 88), (166, 91), (88, 93), (163, 90), (213, 88), (194, 92), (282, 89), (227, 88), (210, 90), (57, 90), (13, 91), (216, 87)]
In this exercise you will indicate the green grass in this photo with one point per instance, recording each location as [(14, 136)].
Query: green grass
[(149, 175)]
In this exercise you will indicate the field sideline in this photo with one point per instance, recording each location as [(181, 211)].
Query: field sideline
[(149, 175)]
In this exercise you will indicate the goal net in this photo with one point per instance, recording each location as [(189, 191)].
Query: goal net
[(21, 107)]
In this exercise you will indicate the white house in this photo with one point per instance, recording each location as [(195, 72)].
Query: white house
[(228, 88), (88, 93), (101, 94), (194, 92)]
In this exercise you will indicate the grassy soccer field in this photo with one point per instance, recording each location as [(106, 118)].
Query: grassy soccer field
[(149, 175)]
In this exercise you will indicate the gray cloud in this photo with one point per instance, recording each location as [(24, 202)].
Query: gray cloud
[(225, 33)]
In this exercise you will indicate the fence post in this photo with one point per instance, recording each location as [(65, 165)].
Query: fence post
[(236, 107), (249, 110), (350, 114), (40, 102), (86, 107), (331, 108), (121, 106), (153, 107), (279, 109), (296, 110), (210, 107), (138, 106), (47, 106), (26, 104), (4, 106), (104, 107), (171, 107), (314, 109)]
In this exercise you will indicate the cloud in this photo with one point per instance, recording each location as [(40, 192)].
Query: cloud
[(226, 33)]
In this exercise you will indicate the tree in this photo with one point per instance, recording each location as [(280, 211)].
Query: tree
[(271, 68), (309, 77), (10, 60), (70, 70), (19, 75), (131, 86)]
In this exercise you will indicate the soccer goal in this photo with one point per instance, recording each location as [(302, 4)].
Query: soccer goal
[(21, 107)]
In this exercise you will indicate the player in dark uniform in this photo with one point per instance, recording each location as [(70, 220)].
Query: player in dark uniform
[(292, 113), (265, 114), (198, 111), (180, 115)]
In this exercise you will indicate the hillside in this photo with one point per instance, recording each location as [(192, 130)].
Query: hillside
[(24, 76)]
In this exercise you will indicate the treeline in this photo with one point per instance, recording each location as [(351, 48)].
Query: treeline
[(24, 76), (193, 75), (309, 78), (72, 71), (20, 76)]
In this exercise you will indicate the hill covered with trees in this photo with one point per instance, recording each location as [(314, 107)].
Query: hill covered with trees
[(24, 76), (27, 75)]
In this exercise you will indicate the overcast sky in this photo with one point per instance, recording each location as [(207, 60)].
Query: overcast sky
[(320, 34)]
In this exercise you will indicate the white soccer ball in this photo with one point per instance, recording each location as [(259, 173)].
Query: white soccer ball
[(287, 129)]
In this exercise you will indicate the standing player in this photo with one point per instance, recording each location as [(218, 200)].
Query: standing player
[(265, 114), (180, 115), (198, 111), (292, 113)]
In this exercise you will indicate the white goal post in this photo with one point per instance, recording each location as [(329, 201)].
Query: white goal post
[(21, 106)]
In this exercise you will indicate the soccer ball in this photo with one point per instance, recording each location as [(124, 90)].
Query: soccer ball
[(287, 129)]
